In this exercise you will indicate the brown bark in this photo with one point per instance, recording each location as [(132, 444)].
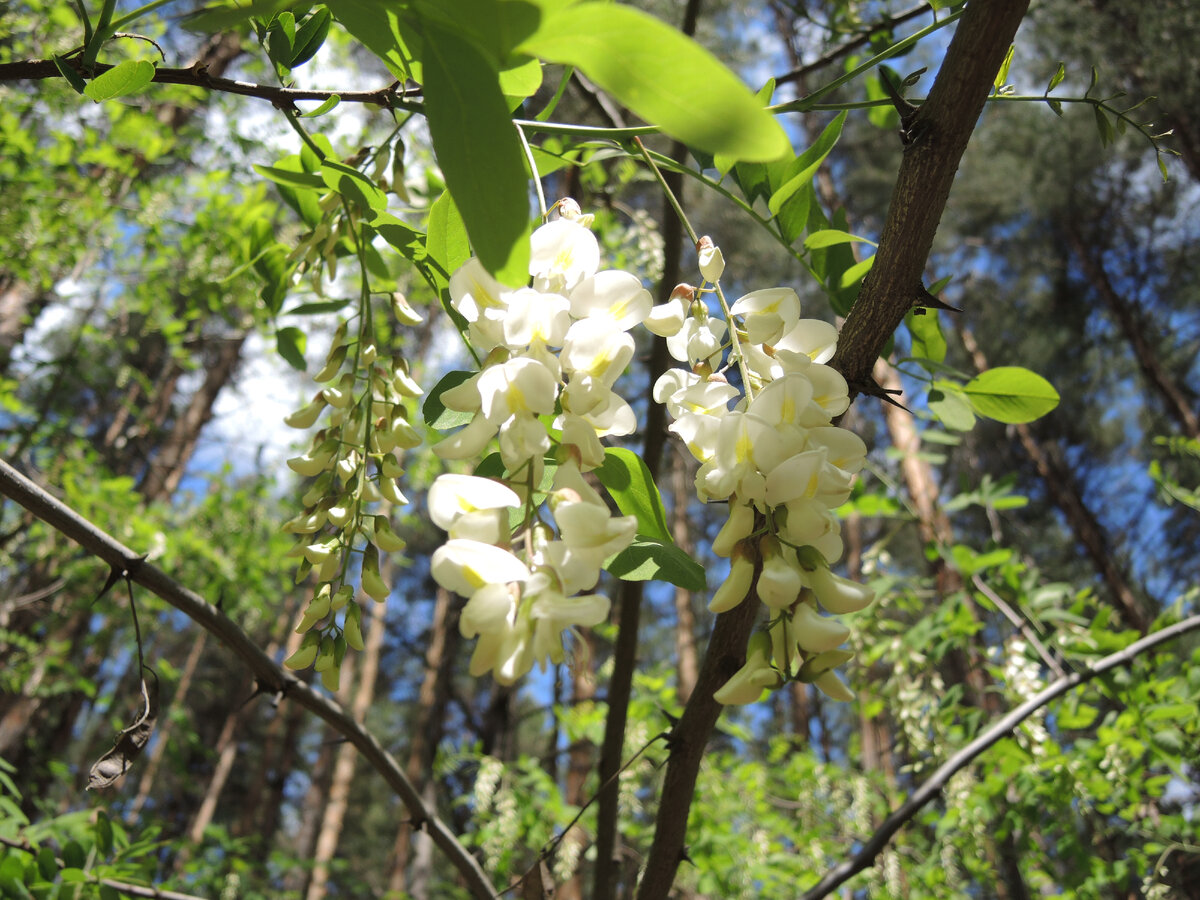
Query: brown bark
[(347, 757), (580, 759), (426, 732), (685, 619), (688, 741), (1063, 489), (1177, 400), (939, 134), (167, 466)]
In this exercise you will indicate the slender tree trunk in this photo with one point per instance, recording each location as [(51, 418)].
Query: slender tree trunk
[(426, 732), (580, 761), (347, 756), (1063, 489), (167, 466), (1177, 399)]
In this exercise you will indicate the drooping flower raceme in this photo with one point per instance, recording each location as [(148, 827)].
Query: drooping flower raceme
[(554, 349), (777, 460)]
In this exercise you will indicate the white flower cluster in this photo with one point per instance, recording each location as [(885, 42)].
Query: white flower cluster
[(778, 461), (557, 345)]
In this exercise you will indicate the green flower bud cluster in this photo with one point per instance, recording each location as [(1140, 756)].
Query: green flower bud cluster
[(353, 461)]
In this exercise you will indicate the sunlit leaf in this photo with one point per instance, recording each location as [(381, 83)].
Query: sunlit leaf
[(664, 77), (477, 147), (630, 484), (1011, 394), (121, 80)]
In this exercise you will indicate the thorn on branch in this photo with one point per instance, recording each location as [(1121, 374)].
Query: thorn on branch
[(925, 300), (872, 388)]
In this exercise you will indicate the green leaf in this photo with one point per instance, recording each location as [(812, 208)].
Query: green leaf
[(68, 72), (1057, 78), (832, 236), (446, 242), (121, 80), (291, 343), (724, 162), (316, 307), (1011, 394), (1002, 76), (802, 170), (664, 77), (857, 272), (379, 26), (325, 107), (73, 855), (434, 411), (928, 342), (1077, 719), (409, 242), (310, 36), (628, 481), (353, 185), (301, 181), (951, 407), (477, 147), (648, 560), (104, 833), (47, 865), (220, 16)]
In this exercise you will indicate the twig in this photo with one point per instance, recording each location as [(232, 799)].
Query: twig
[(271, 678), (196, 76), (1021, 623), (960, 760), (863, 37)]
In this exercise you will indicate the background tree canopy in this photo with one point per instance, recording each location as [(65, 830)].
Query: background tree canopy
[(244, 657)]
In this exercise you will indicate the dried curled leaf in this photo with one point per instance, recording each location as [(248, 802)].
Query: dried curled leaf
[(130, 743)]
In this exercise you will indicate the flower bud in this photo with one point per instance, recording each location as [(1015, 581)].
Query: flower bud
[(736, 586), (712, 262), (815, 633), (404, 312), (306, 416), (352, 627), (779, 583), (304, 657), (838, 595), (333, 364)]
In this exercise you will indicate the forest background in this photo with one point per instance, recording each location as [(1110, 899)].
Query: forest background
[(155, 330)]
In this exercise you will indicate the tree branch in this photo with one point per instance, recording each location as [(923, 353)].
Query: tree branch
[(390, 97), (688, 741), (845, 49), (270, 677), (960, 760), (939, 134)]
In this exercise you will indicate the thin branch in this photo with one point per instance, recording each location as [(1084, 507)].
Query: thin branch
[(1021, 624), (853, 44), (964, 757), (270, 677), (390, 97)]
